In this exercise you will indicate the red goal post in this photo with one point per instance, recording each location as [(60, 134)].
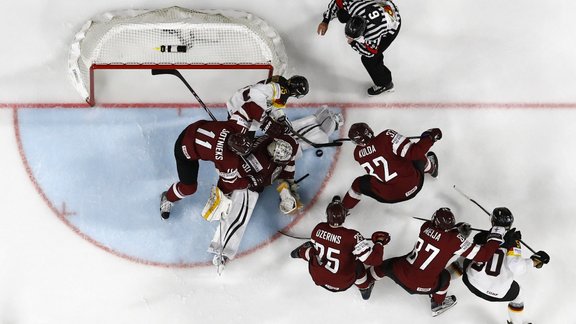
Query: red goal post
[(173, 38)]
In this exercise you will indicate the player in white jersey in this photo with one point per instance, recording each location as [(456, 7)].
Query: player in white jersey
[(494, 280), (259, 106)]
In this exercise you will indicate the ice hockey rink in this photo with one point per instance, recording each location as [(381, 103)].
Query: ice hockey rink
[(497, 77)]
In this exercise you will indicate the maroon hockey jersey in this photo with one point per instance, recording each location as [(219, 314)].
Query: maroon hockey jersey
[(337, 251), (206, 140), (388, 158), (420, 270)]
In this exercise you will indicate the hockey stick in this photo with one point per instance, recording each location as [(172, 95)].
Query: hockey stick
[(302, 178), (287, 123), (177, 74), (219, 267), (487, 213), (344, 139), (472, 200), (293, 236), (425, 220), (314, 145)]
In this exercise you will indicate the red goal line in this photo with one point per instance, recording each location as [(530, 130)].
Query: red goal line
[(343, 105)]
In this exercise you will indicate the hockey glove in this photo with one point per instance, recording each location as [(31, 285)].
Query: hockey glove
[(272, 128), (511, 238), (464, 228), (380, 237), (541, 258), (481, 237), (289, 198), (434, 133), (255, 182)]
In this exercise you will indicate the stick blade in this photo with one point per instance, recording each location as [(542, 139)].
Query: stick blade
[(164, 71)]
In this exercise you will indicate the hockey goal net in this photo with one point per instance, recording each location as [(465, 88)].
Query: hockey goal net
[(173, 38)]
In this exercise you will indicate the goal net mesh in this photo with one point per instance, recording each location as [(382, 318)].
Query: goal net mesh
[(173, 37)]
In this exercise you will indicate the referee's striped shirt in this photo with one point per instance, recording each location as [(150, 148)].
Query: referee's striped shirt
[(382, 19)]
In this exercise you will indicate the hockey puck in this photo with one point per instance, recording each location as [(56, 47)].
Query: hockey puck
[(319, 153)]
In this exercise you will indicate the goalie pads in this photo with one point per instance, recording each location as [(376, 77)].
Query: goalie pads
[(230, 231), (217, 206), (317, 128)]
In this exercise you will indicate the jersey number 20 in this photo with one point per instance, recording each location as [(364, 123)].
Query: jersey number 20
[(492, 267)]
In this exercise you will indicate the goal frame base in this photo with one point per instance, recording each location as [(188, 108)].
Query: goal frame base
[(91, 100)]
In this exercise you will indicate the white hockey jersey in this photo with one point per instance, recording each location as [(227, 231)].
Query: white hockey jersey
[(494, 277), (249, 105)]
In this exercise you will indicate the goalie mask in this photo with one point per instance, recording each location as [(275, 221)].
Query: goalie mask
[(360, 133), (298, 86), (502, 216), (443, 219), (239, 143), (280, 151)]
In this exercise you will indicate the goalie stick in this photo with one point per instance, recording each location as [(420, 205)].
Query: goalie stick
[(179, 75), (487, 213)]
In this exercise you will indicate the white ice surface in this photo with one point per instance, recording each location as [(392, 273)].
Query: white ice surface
[(491, 74)]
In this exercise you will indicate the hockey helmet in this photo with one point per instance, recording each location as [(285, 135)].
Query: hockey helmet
[(336, 213), (355, 27), (502, 216), (280, 151), (239, 143), (443, 219), (360, 133), (298, 86)]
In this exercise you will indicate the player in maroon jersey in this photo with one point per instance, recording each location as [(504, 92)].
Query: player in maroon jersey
[(202, 140), (422, 271), (336, 255), (266, 160), (209, 141), (395, 165), (245, 167)]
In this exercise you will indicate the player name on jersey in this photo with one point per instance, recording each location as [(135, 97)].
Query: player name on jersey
[(328, 236), (367, 151), (433, 234), (218, 154)]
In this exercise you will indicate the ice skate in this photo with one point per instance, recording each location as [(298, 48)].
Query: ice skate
[(220, 262), (165, 206), (366, 292), (438, 309), (434, 161), (296, 252), (376, 90)]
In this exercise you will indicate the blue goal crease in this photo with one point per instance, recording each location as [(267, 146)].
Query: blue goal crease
[(109, 166)]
